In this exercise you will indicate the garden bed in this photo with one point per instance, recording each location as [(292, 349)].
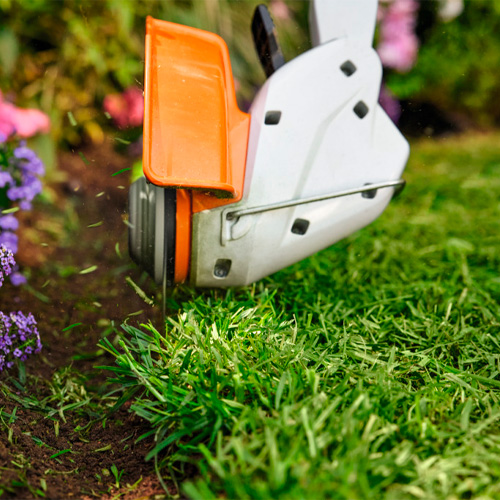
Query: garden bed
[(74, 311)]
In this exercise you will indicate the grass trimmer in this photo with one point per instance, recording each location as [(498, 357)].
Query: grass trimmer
[(229, 197)]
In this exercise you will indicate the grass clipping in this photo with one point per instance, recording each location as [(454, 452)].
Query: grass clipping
[(371, 370)]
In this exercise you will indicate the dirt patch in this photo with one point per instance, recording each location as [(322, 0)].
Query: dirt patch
[(80, 227), (83, 469)]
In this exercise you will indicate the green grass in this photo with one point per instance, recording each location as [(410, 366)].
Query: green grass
[(370, 370)]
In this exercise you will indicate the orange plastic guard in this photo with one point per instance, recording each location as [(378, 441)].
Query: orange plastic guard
[(195, 136)]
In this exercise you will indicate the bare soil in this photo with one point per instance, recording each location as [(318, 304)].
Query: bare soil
[(56, 244)]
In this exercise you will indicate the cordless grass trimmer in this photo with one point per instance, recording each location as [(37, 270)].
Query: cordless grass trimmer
[(229, 197)]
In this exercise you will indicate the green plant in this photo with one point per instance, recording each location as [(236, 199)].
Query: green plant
[(457, 63), (66, 56), (117, 475)]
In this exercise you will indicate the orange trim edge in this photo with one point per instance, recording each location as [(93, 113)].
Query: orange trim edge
[(182, 235)]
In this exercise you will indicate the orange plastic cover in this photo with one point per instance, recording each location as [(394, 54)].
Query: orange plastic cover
[(195, 136)]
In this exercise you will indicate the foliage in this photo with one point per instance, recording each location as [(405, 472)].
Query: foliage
[(369, 370), (457, 64), (67, 56)]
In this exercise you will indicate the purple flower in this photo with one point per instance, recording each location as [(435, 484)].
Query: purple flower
[(19, 171), (5, 178), (19, 338), (389, 103), (16, 278), (9, 240), (30, 188), (9, 222), (7, 262), (31, 161)]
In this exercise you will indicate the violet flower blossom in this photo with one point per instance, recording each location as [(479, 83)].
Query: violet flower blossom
[(29, 160), (19, 183), (19, 335), (7, 263), (390, 104), (19, 168), (19, 338), (5, 178), (9, 240), (9, 222), (17, 279)]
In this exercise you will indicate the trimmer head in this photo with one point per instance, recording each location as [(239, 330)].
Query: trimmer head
[(230, 197), (153, 229)]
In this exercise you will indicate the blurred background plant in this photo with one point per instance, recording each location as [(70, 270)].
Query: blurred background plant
[(456, 69), (64, 57), (397, 44)]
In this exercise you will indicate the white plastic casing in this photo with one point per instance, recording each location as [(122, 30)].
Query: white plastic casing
[(332, 19), (321, 145)]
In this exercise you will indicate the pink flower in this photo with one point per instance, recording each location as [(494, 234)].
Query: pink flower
[(127, 109), (237, 85), (280, 10), (23, 122), (398, 45)]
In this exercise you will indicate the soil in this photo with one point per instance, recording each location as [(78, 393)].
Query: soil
[(55, 245)]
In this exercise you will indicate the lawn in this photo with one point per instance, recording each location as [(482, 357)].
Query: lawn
[(370, 370)]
